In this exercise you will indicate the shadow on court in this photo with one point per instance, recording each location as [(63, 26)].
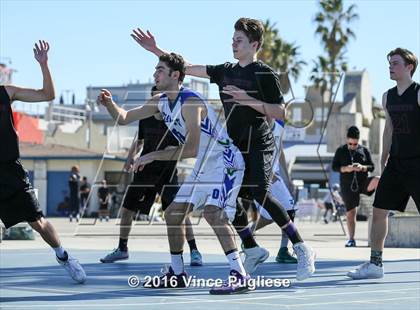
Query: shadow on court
[(47, 285)]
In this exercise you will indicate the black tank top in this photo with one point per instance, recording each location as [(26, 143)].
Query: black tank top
[(404, 111), (9, 145)]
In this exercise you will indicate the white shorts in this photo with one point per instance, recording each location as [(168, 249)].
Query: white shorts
[(279, 191), (214, 182)]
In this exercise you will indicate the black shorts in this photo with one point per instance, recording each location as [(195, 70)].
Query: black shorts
[(352, 199), (399, 181), (141, 193), (18, 202), (103, 206), (257, 175), (329, 206)]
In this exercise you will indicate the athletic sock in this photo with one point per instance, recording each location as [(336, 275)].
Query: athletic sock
[(291, 231), (177, 262), (235, 262), (192, 245), (61, 253), (247, 238), (122, 245), (376, 258), (284, 241)]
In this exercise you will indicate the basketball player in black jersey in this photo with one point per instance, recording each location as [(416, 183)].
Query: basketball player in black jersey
[(400, 160), (159, 177), (250, 93), (18, 202)]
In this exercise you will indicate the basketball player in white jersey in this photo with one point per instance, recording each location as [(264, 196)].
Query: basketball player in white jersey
[(215, 180)]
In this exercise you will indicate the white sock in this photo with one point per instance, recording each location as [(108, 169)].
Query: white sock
[(177, 263), (284, 240), (60, 252), (236, 263)]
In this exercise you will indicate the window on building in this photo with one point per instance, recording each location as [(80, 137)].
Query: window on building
[(297, 115), (318, 114)]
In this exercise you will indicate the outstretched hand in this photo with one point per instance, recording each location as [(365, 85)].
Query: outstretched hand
[(104, 98), (238, 95), (41, 51), (142, 161), (145, 40)]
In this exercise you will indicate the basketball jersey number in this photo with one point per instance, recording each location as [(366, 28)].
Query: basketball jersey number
[(216, 193), (400, 124)]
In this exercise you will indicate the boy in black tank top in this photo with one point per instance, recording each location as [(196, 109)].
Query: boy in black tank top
[(18, 202), (400, 160)]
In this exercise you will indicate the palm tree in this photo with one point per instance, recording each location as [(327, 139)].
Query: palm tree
[(333, 27), (280, 55)]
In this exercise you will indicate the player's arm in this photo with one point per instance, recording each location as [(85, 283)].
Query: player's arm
[(337, 160), (283, 166), (124, 117), (387, 135), (148, 42), (418, 97), (370, 165), (191, 112), (135, 148), (240, 96), (46, 93)]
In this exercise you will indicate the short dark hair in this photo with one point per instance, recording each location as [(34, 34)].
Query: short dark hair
[(353, 132), (153, 89), (253, 29), (409, 57), (175, 62)]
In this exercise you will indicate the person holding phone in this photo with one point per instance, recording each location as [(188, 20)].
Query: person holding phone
[(354, 163)]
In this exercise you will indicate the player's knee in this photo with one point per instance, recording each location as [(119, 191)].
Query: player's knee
[(379, 214), (292, 214), (39, 225), (174, 216), (126, 213), (213, 215), (241, 220), (261, 196), (351, 214)]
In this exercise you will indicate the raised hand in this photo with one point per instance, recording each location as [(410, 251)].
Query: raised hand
[(104, 98), (145, 40), (41, 51)]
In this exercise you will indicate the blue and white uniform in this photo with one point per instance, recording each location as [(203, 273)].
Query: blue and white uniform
[(218, 172), (278, 188)]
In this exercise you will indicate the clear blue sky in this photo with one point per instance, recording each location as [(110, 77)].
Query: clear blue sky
[(90, 42)]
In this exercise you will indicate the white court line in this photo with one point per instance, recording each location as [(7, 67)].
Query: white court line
[(182, 293), (367, 301), (40, 290), (229, 300), (209, 301)]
